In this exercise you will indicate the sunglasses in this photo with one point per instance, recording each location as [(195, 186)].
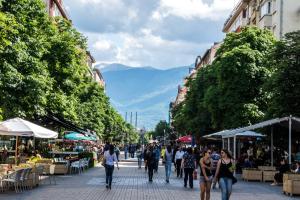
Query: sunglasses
[(222, 152), (209, 152)]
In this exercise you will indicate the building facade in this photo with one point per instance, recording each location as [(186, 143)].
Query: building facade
[(56, 8), (279, 16)]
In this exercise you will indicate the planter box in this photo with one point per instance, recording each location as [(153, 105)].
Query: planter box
[(252, 175), (60, 169), (269, 175), (267, 168), (291, 184), (291, 187)]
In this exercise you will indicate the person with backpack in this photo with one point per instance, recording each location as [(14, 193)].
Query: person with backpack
[(168, 162), (189, 165), (110, 160)]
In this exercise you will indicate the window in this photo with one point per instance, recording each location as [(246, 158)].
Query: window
[(266, 8), (244, 13)]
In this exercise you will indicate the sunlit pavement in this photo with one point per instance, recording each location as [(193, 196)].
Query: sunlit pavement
[(131, 183)]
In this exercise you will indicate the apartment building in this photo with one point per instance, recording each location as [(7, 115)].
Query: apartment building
[(279, 16), (56, 8)]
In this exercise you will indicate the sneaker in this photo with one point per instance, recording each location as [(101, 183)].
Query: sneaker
[(106, 186), (273, 184)]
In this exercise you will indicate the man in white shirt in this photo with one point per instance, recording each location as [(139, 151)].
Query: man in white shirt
[(178, 158)]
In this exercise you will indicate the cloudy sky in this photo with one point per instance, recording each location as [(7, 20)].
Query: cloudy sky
[(158, 33)]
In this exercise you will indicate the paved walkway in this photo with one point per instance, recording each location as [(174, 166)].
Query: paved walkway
[(131, 183)]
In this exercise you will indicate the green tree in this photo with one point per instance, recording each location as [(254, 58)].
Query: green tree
[(44, 71), (283, 88), (229, 92)]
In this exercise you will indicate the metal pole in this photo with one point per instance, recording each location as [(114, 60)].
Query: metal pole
[(16, 152), (272, 147), (126, 117), (290, 140), (234, 147), (228, 144), (131, 118), (223, 143)]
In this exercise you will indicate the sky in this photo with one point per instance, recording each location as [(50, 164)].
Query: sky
[(158, 33)]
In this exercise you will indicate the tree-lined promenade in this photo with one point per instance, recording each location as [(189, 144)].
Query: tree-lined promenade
[(44, 72), (253, 77)]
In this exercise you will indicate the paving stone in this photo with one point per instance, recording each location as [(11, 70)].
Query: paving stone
[(131, 183)]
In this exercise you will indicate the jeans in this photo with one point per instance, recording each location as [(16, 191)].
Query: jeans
[(125, 155), (109, 169), (226, 187), (168, 166), (178, 168), (188, 174)]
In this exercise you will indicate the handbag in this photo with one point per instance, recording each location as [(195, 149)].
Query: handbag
[(234, 180)]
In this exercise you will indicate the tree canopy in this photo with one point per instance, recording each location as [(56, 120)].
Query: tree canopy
[(229, 92), (44, 71)]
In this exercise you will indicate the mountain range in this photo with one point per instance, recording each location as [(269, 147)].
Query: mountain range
[(145, 90)]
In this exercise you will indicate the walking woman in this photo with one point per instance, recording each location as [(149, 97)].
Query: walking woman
[(110, 159), (151, 162), (205, 175), (168, 162), (224, 172), (189, 165)]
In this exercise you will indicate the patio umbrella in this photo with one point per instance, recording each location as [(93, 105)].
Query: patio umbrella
[(185, 139), (20, 127), (76, 136)]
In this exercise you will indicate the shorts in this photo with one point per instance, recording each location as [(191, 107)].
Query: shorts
[(202, 179)]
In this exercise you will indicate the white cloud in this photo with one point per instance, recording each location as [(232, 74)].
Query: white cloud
[(102, 45), (189, 9)]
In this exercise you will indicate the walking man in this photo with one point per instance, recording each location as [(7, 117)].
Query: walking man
[(178, 159)]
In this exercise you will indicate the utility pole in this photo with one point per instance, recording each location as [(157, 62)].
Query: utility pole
[(126, 117), (131, 118)]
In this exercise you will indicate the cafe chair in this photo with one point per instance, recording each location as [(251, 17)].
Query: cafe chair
[(15, 180)]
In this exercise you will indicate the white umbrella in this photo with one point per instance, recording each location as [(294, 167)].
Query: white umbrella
[(19, 127)]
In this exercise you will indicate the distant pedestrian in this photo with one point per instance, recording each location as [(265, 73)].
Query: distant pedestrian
[(110, 159), (145, 157), (189, 165), (224, 172), (139, 156), (157, 157), (178, 159), (150, 163), (168, 162), (215, 156), (205, 175), (126, 151), (117, 151)]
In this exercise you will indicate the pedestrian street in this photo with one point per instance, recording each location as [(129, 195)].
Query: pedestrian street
[(132, 183)]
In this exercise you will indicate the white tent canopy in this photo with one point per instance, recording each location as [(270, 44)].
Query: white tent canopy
[(244, 134), (20, 127), (234, 132)]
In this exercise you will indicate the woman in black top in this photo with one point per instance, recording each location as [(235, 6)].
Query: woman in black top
[(205, 175), (224, 172)]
